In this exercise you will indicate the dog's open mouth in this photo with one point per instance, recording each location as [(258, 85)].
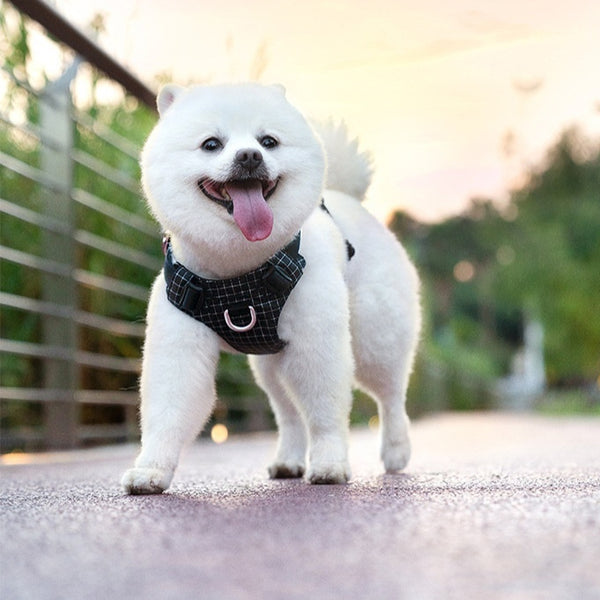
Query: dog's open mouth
[(246, 200)]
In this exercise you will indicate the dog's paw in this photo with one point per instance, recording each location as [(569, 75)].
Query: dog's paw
[(286, 471), (145, 481), (329, 474), (395, 456)]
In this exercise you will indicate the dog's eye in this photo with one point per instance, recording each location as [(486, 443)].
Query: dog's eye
[(268, 142), (211, 145)]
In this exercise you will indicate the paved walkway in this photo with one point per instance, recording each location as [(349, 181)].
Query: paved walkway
[(492, 506)]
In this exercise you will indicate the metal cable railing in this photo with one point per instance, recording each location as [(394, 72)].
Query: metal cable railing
[(78, 254)]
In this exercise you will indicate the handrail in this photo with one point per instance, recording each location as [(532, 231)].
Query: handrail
[(58, 26), (77, 254)]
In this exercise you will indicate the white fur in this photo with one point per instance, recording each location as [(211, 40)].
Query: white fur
[(345, 322), (348, 170)]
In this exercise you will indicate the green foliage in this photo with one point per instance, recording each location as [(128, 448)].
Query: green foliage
[(544, 262), (556, 270), (110, 135), (570, 402)]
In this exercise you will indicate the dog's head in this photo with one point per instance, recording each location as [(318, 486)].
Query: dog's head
[(229, 161)]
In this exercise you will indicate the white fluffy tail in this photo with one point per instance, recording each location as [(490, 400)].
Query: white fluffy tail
[(348, 169)]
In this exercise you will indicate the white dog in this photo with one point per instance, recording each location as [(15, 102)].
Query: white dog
[(234, 173)]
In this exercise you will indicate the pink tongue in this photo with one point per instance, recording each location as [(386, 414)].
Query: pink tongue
[(250, 209)]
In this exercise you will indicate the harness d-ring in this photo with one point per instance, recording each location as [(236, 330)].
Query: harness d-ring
[(241, 328)]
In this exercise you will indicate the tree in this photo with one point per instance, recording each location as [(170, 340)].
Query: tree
[(546, 261)]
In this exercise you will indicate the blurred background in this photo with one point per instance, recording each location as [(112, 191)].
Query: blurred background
[(483, 122)]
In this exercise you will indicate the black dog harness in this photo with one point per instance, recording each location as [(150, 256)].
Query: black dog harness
[(243, 310), (350, 251)]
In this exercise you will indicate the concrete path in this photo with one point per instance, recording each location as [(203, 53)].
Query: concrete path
[(493, 506)]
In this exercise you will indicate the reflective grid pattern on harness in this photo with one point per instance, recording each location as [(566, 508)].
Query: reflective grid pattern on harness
[(229, 306)]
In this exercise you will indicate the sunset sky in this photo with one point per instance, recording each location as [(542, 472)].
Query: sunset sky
[(431, 87)]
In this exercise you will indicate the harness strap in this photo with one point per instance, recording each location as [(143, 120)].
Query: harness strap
[(243, 310), (350, 250)]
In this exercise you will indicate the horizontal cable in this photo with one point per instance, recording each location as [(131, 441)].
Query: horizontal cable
[(33, 131), (108, 284), (36, 394), (61, 395), (27, 128), (37, 306), (30, 172), (33, 218), (85, 199), (110, 325), (112, 431), (35, 262), (88, 359), (118, 250), (110, 173), (114, 212), (106, 134), (31, 91), (107, 397), (104, 361), (87, 319), (35, 350)]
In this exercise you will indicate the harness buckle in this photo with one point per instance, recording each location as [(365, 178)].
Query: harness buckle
[(192, 298), (277, 279)]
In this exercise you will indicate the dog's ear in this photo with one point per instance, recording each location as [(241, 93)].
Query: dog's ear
[(166, 96)]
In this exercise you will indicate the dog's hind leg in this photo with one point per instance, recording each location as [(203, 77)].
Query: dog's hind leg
[(384, 344), (388, 389), (386, 380), (290, 457)]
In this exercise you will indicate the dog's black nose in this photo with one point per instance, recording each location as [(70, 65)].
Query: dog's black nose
[(249, 158)]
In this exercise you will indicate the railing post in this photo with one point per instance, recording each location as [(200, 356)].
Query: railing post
[(62, 416)]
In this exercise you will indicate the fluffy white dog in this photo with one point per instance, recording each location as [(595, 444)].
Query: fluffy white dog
[(234, 173)]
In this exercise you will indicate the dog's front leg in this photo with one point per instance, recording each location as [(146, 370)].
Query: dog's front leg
[(322, 393), (317, 371), (177, 392)]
